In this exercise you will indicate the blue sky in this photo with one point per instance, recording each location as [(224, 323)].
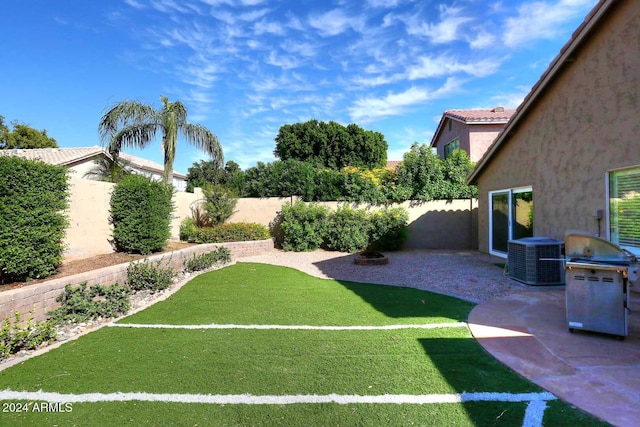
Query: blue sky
[(243, 68)]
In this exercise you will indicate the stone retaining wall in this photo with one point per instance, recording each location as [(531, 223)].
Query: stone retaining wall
[(41, 297)]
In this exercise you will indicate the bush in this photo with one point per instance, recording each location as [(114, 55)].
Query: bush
[(33, 196), (149, 276), (203, 261), (347, 230), (141, 215), (303, 226), (388, 229), (219, 203), (307, 227), (15, 337), (84, 303), (222, 233)]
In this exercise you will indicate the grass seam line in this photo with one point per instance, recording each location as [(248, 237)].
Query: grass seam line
[(249, 399), (291, 327)]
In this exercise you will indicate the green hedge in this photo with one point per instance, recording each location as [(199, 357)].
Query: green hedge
[(303, 226), (348, 230), (33, 196), (221, 233), (141, 215), (311, 226)]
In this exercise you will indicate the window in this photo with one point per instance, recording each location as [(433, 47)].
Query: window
[(510, 217), (453, 145), (624, 208)]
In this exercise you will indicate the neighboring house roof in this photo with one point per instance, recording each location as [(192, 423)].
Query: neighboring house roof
[(496, 115), (392, 164), (73, 156), (567, 55)]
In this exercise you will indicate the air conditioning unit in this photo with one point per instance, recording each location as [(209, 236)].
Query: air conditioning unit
[(536, 261)]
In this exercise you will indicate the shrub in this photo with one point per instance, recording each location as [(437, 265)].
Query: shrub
[(388, 229), (15, 337), (150, 276), (188, 230), (199, 216), (347, 230), (203, 261), (233, 232), (141, 215), (306, 227), (219, 203), (84, 303), (303, 226), (33, 196)]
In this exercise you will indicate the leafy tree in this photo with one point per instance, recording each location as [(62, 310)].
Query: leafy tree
[(456, 167), (131, 123), (210, 172), (331, 145), (24, 136), (108, 169), (421, 171)]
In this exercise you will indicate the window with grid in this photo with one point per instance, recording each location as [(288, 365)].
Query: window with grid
[(453, 145), (624, 208)]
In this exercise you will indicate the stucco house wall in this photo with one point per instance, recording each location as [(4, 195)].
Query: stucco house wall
[(475, 129), (481, 137), (583, 125), (458, 130)]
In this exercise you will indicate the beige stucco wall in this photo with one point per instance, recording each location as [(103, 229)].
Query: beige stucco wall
[(458, 130), (474, 139), (480, 139), (432, 225), (585, 125), (89, 230)]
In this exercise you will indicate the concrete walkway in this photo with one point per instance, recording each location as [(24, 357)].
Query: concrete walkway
[(528, 332)]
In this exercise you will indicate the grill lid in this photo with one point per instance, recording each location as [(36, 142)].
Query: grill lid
[(580, 246)]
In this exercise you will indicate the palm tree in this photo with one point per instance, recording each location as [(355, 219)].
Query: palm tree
[(133, 124), (108, 169)]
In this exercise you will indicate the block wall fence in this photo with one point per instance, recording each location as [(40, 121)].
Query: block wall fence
[(432, 225)]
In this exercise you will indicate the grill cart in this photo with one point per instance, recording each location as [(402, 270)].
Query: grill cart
[(597, 282)]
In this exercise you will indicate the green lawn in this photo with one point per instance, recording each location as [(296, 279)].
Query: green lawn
[(198, 362)]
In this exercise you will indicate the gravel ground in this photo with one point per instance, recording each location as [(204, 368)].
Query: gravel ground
[(469, 275)]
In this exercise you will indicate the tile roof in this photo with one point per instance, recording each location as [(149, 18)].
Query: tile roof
[(69, 156), (55, 156), (494, 115), (393, 163)]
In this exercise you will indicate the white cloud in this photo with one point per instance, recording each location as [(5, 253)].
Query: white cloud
[(298, 47), (445, 31), (135, 4), (543, 20), (386, 4), (482, 40), (393, 104), (283, 61), (335, 22), (265, 27), (445, 65), (511, 99)]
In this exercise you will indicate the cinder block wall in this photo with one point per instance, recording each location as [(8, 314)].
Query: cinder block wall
[(41, 298)]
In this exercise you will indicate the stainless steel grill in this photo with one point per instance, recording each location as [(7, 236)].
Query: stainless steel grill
[(597, 277)]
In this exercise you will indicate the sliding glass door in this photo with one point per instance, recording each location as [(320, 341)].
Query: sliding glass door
[(510, 217)]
